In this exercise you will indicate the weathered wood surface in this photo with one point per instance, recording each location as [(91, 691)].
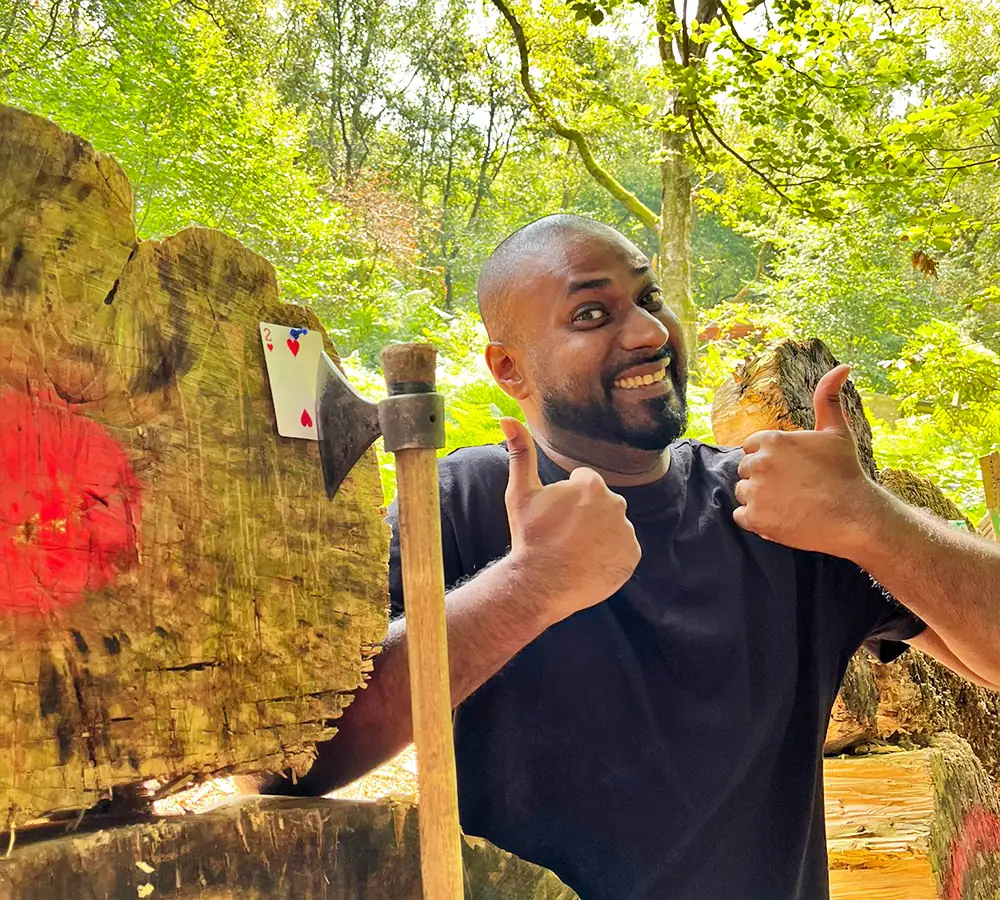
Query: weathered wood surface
[(176, 593), (914, 697), (774, 392), (263, 849), (912, 825)]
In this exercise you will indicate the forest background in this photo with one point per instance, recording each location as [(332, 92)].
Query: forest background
[(797, 168)]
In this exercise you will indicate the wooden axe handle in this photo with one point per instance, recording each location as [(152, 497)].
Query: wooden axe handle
[(427, 644)]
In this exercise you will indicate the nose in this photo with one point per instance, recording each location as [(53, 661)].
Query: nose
[(643, 331)]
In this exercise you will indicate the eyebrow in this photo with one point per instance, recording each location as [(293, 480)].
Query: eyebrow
[(589, 285), (594, 283)]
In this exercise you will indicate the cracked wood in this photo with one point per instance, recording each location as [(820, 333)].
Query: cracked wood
[(176, 593)]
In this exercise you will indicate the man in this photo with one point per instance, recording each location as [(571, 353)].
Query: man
[(646, 635)]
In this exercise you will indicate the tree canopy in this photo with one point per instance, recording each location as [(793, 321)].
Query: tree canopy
[(807, 167)]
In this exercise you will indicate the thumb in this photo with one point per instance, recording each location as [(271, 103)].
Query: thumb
[(523, 478), (826, 401)]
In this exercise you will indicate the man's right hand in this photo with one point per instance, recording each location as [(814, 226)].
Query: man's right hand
[(573, 536)]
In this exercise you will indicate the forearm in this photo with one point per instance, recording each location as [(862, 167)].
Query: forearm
[(949, 578), (490, 619)]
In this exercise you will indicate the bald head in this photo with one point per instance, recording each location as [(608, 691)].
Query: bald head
[(518, 260)]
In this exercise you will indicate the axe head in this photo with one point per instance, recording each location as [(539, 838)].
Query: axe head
[(346, 423)]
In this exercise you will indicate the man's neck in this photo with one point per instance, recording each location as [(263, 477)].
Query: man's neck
[(618, 464)]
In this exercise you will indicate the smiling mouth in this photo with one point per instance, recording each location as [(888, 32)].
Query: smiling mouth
[(638, 381)]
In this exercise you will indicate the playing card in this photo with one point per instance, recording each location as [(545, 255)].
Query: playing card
[(292, 357)]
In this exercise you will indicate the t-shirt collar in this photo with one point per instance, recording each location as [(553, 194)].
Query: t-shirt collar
[(640, 498)]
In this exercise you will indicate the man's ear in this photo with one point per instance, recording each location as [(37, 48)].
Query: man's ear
[(505, 364)]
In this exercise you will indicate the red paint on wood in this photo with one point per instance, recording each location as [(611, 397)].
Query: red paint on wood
[(979, 834), (69, 505)]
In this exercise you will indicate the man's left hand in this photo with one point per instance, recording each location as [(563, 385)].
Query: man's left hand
[(806, 489)]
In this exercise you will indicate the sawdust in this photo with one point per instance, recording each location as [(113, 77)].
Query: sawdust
[(397, 777)]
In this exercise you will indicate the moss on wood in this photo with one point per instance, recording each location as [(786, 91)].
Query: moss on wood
[(222, 612)]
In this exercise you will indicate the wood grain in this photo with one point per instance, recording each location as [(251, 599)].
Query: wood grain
[(176, 593), (910, 824), (427, 653), (263, 849)]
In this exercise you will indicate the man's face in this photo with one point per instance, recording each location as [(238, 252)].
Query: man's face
[(604, 353)]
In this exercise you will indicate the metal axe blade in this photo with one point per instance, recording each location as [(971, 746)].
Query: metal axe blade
[(346, 423)]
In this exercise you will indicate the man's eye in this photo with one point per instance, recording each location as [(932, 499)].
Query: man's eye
[(590, 314), (653, 300)]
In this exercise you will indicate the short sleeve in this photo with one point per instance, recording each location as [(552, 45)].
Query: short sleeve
[(882, 625), (474, 529), (887, 640)]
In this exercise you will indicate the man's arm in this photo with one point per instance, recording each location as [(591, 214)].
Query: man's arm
[(490, 618), (571, 547), (806, 489), (949, 578)]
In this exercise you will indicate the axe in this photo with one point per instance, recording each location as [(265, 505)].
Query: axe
[(411, 420)]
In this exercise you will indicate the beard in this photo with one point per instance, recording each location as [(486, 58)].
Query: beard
[(655, 423)]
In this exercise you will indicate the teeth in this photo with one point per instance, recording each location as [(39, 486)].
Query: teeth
[(635, 381)]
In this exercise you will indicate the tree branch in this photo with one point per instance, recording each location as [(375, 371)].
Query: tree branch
[(735, 153), (601, 175)]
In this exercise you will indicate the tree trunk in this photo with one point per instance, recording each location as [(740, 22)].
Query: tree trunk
[(176, 593), (675, 227), (912, 825), (913, 698), (262, 849)]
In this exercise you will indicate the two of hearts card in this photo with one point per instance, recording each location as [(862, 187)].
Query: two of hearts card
[(292, 358)]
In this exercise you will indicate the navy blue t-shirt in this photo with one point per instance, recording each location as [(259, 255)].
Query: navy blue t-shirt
[(665, 744)]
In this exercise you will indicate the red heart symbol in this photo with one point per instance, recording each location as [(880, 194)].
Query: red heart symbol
[(270, 346), (293, 346), (306, 419)]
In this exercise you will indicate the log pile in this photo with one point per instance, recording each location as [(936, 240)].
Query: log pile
[(900, 824)]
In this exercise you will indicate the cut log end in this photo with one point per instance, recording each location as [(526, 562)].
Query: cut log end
[(177, 595), (921, 824)]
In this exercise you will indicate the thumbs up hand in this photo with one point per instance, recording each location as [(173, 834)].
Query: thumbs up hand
[(807, 489), (571, 538)]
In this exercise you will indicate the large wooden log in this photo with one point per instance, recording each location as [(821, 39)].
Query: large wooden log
[(914, 697), (176, 593), (263, 849), (912, 825)]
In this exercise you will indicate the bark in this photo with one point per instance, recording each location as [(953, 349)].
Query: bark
[(674, 235), (774, 391), (176, 594), (919, 825), (262, 849), (915, 697)]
